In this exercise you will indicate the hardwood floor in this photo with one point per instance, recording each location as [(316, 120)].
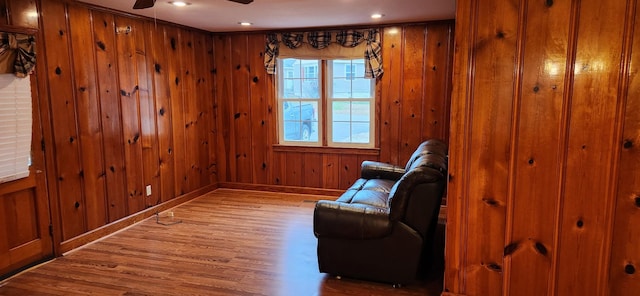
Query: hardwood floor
[(230, 242)]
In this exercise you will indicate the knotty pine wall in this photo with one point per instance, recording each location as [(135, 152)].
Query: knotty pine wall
[(544, 161), (413, 103), (122, 111)]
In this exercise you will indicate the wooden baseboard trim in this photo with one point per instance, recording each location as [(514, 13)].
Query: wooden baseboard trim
[(280, 188), (125, 222)]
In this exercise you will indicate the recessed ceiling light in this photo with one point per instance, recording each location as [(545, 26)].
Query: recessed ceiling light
[(377, 15), (179, 3), (245, 23)]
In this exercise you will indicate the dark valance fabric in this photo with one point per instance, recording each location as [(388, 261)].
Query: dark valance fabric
[(17, 53), (322, 39)]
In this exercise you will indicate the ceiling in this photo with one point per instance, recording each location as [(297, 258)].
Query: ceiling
[(224, 15)]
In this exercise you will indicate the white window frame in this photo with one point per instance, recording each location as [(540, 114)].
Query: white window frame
[(324, 123)]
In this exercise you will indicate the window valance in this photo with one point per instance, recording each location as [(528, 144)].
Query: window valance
[(17, 53), (327, 44)]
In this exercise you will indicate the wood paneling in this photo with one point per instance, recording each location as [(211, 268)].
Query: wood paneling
[(543, 106), (111, 123), (625, 254), (86, 92), (412, 101), (129, 107)]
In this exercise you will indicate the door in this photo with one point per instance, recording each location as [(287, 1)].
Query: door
[(24, 209)]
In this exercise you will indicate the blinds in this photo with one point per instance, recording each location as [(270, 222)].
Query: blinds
[(15, 127)]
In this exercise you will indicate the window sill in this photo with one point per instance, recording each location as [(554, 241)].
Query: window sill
[(326, 150)]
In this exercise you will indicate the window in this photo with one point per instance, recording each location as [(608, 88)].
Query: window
[(15, 127), (306, 88)]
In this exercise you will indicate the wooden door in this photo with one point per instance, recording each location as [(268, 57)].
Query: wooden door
[(24, 209)]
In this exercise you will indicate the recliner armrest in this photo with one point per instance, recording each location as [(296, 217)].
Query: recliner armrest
[(380, 170), (352, 221)]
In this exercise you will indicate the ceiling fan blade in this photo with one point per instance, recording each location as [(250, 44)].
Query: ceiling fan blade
[(242, 1), (142, 4)]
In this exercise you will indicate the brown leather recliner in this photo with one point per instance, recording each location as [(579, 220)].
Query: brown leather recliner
[(382, 227)]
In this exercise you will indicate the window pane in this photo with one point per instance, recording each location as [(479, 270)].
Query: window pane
[(291, 88), (360, 132), (299, 121), (360, 111), (341, 111), (362, 88), (310, 88), (341, 132)]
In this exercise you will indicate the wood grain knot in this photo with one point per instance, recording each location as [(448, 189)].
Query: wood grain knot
[(630, 269), (162, 111), (61, 32), (494, 267), (541, 249), (177, 80), (112, 169), (500, 35), (531, 161), (511, 248), (549, 3), (236, 116), (627, 144), (173, 43), (255, 79), (490, 201), (214, 71), (101, 45), (637, 201), (580, 224), (71, 139), (536, 89), (77, 205), (58, 71), (158, 67), (82, 89)]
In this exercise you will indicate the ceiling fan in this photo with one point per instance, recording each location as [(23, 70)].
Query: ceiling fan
[(142, 4)]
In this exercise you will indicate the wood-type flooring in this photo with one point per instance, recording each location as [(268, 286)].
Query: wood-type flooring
[(229, 242)]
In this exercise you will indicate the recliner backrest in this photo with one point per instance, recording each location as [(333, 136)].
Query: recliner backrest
[(431, 146), (415, 198)]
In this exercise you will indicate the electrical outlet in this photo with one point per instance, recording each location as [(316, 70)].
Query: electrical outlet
[(148, 190)]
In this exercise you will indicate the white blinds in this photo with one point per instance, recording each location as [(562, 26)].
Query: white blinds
[(15, 127)]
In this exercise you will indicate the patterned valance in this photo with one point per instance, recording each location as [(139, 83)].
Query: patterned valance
[(322, 39), (17, 53)]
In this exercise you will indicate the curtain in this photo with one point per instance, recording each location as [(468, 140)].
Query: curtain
[(17, 53), (354, 44)]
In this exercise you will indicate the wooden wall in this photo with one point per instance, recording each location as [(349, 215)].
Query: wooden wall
[(543, 196), (122, 110), (413, 102)]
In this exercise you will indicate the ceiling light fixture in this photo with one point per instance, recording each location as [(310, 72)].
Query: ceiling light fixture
[(245, 24), (179, 3), (377, 15)]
